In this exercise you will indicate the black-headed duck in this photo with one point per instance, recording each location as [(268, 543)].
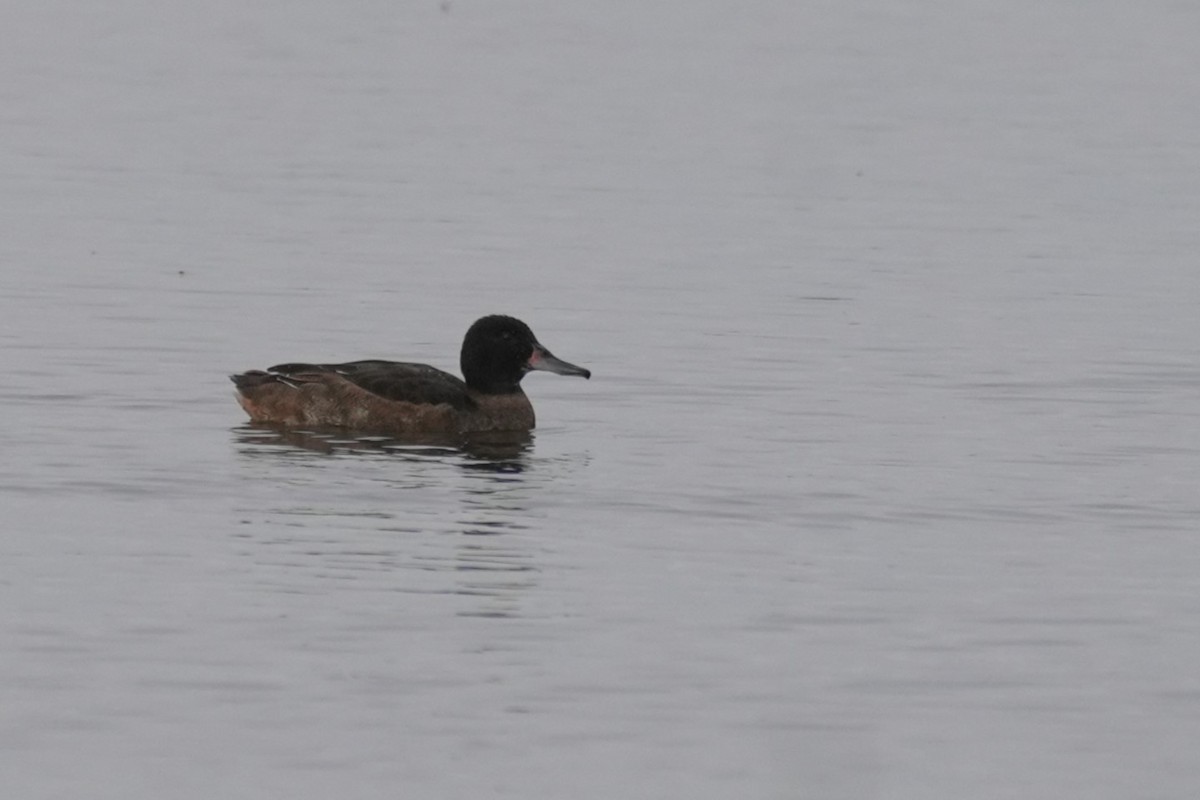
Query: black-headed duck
[(401, 399)]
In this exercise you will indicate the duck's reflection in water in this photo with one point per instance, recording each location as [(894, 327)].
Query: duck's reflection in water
[(350, 529), (497, 451)]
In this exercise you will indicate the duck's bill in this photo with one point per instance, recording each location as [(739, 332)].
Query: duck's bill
[(543, 359)]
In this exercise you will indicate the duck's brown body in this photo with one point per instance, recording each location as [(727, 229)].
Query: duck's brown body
[(403, 399), (330, 400)]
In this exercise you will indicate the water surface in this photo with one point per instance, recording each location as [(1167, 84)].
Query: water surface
[(884, 485)]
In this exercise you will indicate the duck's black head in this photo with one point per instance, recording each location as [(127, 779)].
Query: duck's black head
[(499, 350)]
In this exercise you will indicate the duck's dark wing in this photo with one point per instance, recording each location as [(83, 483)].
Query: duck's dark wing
[(391, 380)]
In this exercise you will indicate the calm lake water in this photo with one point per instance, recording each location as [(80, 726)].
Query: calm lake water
[(885, 485)]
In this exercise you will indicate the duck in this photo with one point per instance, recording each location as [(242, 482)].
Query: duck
[(404, 399)]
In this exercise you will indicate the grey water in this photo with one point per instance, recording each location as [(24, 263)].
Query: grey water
[(885, 484)]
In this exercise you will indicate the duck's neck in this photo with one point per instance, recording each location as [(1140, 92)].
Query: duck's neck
[(494, 386), (507, 411)]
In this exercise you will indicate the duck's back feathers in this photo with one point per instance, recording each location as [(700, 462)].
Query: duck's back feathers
[(390, 380)]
